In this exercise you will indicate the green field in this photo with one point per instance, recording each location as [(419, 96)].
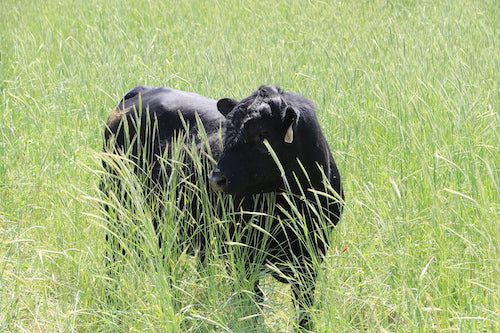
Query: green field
[(407, 95)]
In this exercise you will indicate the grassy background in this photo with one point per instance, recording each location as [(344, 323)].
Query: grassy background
[(407, 94)]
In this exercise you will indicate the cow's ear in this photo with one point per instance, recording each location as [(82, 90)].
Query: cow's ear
[(226, 105), (290, 118)]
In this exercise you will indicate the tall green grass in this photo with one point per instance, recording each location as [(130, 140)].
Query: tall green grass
[(407, 95)]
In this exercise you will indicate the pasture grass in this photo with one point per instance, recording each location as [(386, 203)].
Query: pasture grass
[(407, 95)]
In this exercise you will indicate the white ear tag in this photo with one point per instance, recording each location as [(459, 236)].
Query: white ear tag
[(289, 134)]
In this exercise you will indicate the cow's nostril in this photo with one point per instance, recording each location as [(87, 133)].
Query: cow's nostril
[(218, 181), (221, 182)]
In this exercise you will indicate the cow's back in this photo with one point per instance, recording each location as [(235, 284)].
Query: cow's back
[(162, 107)]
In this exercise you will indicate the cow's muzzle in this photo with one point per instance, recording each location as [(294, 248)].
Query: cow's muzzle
[(218, 181)]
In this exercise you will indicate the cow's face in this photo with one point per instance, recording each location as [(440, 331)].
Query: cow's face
[(246, 165)]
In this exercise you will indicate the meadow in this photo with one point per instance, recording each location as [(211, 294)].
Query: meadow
[(407, 95)]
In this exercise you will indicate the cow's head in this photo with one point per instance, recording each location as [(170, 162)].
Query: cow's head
[(246, 165)]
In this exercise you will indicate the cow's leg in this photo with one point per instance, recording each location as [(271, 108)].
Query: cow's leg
[(303, 295)]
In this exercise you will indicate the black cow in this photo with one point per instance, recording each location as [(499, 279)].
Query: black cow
[(272, 143)]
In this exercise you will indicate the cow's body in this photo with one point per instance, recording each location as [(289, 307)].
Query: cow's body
[(269, 119)]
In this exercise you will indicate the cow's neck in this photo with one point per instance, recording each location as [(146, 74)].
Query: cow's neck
[(314, 158)]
